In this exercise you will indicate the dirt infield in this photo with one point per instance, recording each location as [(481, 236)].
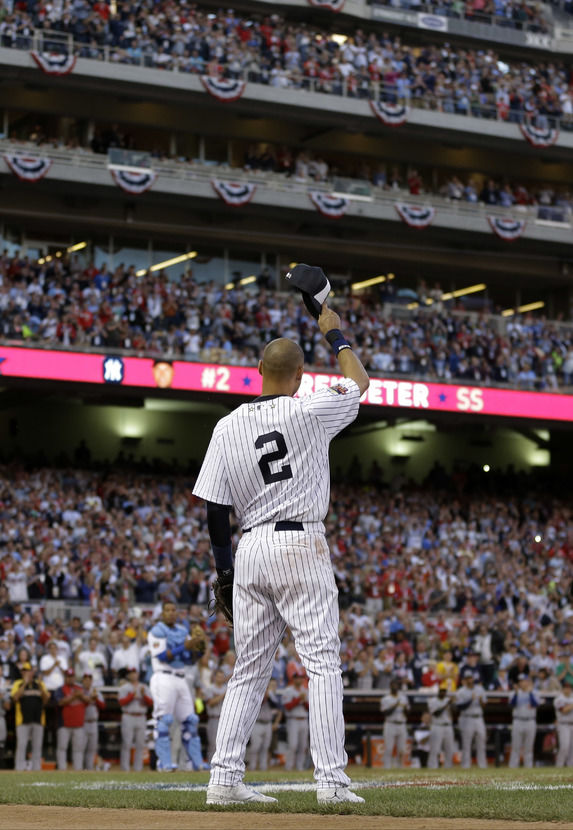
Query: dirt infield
[(18, 817)]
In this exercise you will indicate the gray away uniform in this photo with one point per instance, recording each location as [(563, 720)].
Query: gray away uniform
[(472, 724), (394, 708), (441, 732), (524, 728)]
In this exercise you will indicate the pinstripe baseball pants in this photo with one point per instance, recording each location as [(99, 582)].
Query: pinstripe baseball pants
[(284, 578)]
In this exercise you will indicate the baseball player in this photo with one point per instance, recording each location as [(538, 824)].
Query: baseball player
[(563, 704), (470, 700), (134, 699), (214, 697), (95, 704), (30, 697), (269, 460), (269, 718), (394, 705), (72, 713), (295, 703), (171, 648), (441, 729), (524, 727), (4, 707)]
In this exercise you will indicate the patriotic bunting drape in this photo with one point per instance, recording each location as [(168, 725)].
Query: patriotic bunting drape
[(416, 216), (332, 206), (28, 168), (134, 183), (392, 115), (331, 5), (54, 63), (507, 229), (223, 89), (234, 193), (539, 136)]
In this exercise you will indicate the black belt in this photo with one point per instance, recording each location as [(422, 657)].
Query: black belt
[(284, 525), (173, 673)]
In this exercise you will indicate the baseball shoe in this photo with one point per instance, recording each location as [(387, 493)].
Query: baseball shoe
[(337, 795), (240, 794)]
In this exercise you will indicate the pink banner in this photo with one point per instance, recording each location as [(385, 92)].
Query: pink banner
[(147, 373)]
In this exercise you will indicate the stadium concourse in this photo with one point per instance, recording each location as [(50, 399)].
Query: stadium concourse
[(285, 53), (60, 302)]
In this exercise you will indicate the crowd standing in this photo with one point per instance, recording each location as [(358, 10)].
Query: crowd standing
[(436, 583), (61, 302), (284, 53)]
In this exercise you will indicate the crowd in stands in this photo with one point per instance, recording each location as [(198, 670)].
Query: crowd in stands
[(431, 577), (303, 166), (60, 302), (283, 53), (515, 14)]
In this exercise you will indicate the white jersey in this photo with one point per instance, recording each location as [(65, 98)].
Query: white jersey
[(269, 458)]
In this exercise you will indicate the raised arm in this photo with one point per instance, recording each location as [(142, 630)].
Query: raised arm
[(350, 365)]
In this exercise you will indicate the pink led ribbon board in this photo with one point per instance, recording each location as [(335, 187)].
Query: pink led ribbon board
[(146, 373)]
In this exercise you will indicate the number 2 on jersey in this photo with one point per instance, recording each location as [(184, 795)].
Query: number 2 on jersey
[(266, 460)]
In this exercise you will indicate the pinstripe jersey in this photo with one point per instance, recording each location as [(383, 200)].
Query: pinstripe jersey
[(269, 458)]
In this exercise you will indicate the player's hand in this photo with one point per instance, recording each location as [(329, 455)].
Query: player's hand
[(328, 320)]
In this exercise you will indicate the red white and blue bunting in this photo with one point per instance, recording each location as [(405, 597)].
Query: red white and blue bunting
[(223, 89), (54, 63), (392, 115), (235, 194), (332, 206), (28, 168), (331, 5), (508, 229), (132, 182), (416, 216), (539, 136)]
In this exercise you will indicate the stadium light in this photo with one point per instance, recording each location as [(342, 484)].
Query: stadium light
[(461, 292), (79, 246), (509, 312), (450, 295), (167, 263), (486, 468), (356, 286), (538, 538), (248, 280)]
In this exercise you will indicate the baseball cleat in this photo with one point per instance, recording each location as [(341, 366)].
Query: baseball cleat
[(240, 794), (337, 795)]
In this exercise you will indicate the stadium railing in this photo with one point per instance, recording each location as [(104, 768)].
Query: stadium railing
[(277, 190)]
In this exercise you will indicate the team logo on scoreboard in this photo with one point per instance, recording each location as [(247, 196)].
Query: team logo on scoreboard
[(54, 63), (28, 168), (113, 370)]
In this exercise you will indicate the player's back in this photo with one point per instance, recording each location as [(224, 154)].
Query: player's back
[(276, 457)]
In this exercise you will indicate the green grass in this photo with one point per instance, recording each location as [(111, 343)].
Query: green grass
[(472, 794)]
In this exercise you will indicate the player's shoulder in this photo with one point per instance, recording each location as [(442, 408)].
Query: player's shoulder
[(159, 629)]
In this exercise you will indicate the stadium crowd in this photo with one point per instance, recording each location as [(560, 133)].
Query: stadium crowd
[(514, 14), (59, 302), (436, 582), (304, 166), (419, 565), (273, 50)]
